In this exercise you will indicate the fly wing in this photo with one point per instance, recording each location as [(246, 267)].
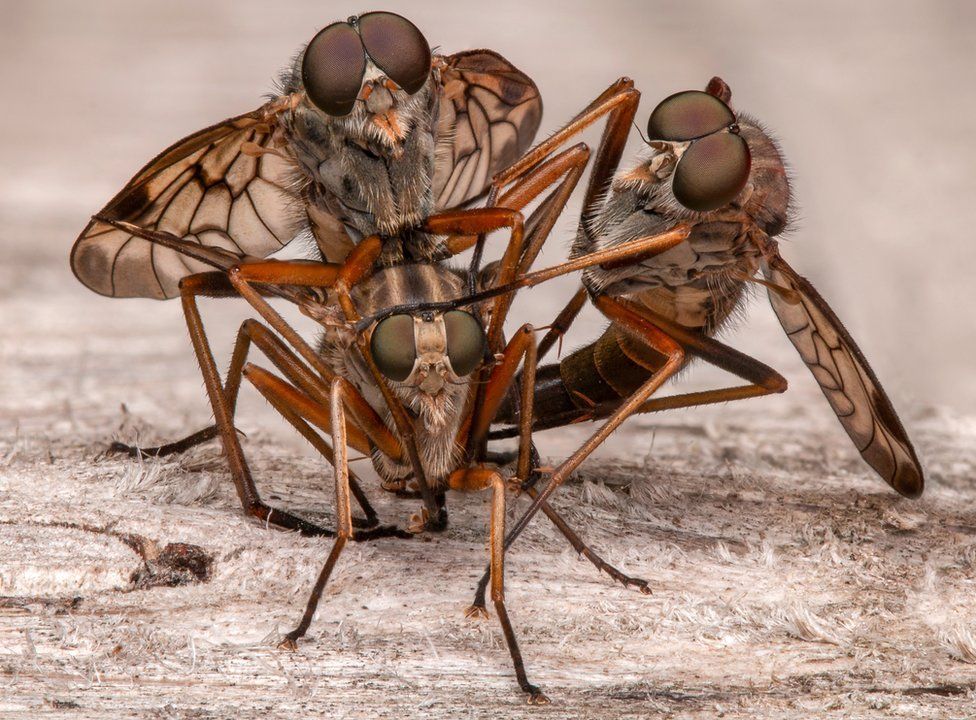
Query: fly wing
[(204, 189), (488, 116), (848, 382)]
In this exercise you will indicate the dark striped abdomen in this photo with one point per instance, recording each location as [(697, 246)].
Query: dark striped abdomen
[(593, 380), (590, 381)]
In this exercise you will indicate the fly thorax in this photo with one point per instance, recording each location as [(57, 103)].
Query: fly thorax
[(640, 205), (373, 171)]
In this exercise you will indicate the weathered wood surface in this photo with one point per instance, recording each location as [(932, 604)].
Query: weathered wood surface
[(786, 580)]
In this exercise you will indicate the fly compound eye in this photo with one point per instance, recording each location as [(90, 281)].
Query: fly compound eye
[(712, 172), (397, 48), (465, 341), (688, 115), (333, 69), (392, 347)]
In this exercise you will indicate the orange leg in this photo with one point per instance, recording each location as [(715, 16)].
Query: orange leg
[(762, 379), (539, 168), (223, 399), (619, 103), (297, 408), (342, 510), (522, 344), (190, 288), (564, 170), (286, 361), (499, 382), (482, 221), (637, 324), (523, 181), (497, 543), (354, 269), (476, 478), (672, 341)]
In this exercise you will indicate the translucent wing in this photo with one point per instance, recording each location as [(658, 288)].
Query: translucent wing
[(204, 189), (489, 114), (851, 387)]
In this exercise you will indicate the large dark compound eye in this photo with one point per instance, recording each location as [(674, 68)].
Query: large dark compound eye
[(465, 342), (393, 347), (397, 47), (333, 69), (688, 115), (712, 172)]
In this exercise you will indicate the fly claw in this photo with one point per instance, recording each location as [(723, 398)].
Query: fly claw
[(418, 521)]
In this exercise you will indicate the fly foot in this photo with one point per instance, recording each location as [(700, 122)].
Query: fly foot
[(288, 643), (418, 521), (476, 612)]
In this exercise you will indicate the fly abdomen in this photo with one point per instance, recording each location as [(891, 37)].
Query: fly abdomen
[(609, 369), (589, 382)]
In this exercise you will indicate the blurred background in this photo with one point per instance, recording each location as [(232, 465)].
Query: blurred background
[(872, 103)]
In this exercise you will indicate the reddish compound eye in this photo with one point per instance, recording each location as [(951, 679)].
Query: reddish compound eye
[(712, 172), (688, 115), (397, 47), (333, 69)]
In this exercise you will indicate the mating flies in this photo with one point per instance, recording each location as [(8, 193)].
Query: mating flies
[(416, 387), (369, 133)]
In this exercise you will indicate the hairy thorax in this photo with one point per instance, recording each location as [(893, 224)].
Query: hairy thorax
[(697, 283), (354, 172)]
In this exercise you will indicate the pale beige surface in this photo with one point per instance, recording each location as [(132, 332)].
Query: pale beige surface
[(827, 594)]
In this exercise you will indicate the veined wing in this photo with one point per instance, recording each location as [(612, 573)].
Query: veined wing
[(848, 382), (489, 114), (205, 189)]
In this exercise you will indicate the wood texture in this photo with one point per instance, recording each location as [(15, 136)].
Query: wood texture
[(787, 580)]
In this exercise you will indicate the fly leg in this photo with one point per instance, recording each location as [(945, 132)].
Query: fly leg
[(521, 182), (761, 379), (524, 181), (535, 695), (526, 240), (251, 278), (528, 462), (300, 409), (619, 104), (672, 342), (190, 288), (178, 446), (343, 512), (216, 285), (291, 366), (251, 331), (637, 324), (480, 478), (478, 607)]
